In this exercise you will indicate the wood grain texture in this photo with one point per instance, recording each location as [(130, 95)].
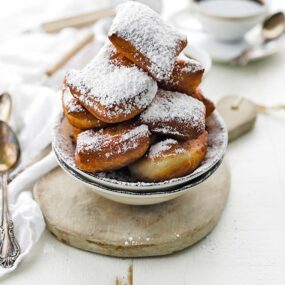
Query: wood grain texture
[(79, 217)]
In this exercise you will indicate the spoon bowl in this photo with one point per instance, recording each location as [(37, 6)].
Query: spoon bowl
[(273, 27), (5, 106), (9, 148)]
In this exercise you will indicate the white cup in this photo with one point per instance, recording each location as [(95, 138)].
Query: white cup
[(231, 20)]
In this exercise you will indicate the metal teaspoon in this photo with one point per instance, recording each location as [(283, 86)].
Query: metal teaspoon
[(9, 156), (272, 28)]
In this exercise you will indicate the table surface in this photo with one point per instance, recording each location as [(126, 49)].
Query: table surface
[(247, 246)]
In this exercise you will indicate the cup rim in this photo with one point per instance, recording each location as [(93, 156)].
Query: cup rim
[(198, 8)]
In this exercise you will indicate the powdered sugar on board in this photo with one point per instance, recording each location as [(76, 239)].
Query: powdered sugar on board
[(70, 103), (144, 29), (119, 89), (99, 141), (169, 106)]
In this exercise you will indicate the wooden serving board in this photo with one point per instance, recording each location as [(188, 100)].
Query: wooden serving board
[(80, 218)]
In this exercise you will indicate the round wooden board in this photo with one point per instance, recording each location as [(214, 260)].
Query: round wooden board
[(83, 219)]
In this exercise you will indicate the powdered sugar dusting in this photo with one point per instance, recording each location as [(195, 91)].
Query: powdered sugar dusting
[(171, 106), (119, 89), (144, 29), (166, 130), (70, 103), (156, 149), (191, 65), (160, 149), (98, 141)]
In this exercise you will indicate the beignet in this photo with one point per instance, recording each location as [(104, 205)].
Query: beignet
[(112, 92), (170, 159), (76, 114), (175, 115), (140, 35), (111, 148), (186, 76)]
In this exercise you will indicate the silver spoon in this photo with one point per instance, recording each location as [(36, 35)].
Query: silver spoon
[(5, 106), (272, 28), (9, 157)]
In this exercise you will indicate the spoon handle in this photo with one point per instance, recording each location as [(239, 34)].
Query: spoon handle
[(9, 247), (244, 57)]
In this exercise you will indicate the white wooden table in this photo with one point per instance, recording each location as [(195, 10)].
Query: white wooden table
[(247, 247)]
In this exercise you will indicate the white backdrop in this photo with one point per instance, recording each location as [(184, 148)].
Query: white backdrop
[(247, 247)]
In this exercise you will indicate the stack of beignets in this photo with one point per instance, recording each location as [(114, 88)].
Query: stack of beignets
[(137, 103)]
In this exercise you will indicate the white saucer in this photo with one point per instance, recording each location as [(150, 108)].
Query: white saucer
[(218, 50)]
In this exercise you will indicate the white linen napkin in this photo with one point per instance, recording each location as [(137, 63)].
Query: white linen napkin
[(23, 60), (34, 111)]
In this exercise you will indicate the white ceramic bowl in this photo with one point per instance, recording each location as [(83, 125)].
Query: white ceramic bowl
[(136, 198), (228, 27), (121, 179)]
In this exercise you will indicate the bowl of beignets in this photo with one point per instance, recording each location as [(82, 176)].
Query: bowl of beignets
[(135, 118)]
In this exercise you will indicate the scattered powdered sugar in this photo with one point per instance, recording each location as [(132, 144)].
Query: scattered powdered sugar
[(98, 141), (70, 103), (171, 106), (159, 149), (145, 30), (119, 89)]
